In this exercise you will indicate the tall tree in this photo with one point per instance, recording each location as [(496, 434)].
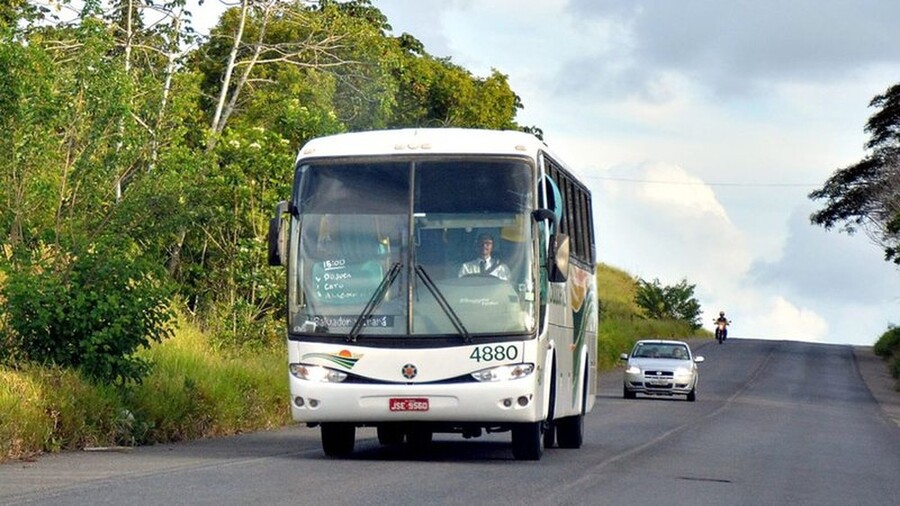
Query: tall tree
[(866, 195)]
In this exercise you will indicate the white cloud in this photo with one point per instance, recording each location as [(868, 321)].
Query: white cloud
[(679, 192), (672, 224), (778, 318)]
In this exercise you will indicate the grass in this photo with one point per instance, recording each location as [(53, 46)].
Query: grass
[(192, 392), (196, 390)]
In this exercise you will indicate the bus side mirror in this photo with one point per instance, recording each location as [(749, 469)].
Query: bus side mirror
[(559, 258), (277, 235), (558, 254)]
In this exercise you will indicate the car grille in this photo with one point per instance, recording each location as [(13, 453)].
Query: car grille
[(666, 386), (658, 374)]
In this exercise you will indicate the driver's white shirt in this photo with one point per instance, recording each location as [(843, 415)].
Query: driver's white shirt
[(492, 267)]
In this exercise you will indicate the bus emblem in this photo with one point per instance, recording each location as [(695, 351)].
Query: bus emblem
[(409, 371)]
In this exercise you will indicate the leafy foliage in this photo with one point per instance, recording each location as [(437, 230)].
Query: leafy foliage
[(675, 302), (93, 314), (888, 348), (866, 195)]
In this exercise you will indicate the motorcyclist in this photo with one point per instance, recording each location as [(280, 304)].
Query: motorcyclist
[(722, 322)]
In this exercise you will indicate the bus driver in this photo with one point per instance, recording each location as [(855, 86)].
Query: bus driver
[(485, 264)]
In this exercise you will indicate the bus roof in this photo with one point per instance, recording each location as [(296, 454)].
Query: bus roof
[(410, 141)]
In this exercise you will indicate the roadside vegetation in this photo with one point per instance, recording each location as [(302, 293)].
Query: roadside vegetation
[(193, 390), (888, 348), (624, 320)]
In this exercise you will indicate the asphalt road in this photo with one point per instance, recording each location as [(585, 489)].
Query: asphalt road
[(774, 423)]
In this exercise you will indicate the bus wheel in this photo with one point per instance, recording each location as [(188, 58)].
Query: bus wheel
[(550, 435), (570, 431), (528, 441), (338, 439), (419, 439), (390, 434)]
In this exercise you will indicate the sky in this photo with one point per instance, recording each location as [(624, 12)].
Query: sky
[(700, 128)]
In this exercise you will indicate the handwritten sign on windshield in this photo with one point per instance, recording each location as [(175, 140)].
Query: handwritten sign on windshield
[(338, 281)]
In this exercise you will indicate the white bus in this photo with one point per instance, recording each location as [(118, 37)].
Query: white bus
[(394, 323)]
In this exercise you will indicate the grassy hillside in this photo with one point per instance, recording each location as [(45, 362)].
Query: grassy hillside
[(621, 323)]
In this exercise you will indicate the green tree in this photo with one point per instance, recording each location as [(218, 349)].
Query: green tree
[(78, 290), (866, 195), (675, 302), (297, 71)]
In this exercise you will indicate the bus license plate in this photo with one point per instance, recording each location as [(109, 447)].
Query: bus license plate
[(408, 404)]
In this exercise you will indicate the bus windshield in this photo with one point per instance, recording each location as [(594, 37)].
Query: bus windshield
[(428, 247)]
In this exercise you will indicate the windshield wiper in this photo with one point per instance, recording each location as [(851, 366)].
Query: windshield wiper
[(376, 299), (436, 292)]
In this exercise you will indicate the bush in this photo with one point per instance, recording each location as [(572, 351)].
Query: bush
[(888, 344), (895, 368), (89, 311)]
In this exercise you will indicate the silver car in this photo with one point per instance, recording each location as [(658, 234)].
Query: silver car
[(660, 367)]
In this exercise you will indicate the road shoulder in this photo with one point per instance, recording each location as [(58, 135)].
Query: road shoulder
[(875, 374)]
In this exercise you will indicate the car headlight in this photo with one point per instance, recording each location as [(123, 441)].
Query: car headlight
[(317, 373), (682, 371), (633, 369), (504, 372)]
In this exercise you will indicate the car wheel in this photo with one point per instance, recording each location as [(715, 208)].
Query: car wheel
[(692, 395), (628, 394)]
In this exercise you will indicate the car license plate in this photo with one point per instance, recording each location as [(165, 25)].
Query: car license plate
[(399, 404)]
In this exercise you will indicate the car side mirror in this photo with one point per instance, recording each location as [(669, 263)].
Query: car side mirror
[(699, 359), (623, 356)]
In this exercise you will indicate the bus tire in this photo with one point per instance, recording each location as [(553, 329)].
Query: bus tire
[(570, 430), (338, 439), (418, 438), (550, 429), (528, 441), (390, 435), (550, 435)]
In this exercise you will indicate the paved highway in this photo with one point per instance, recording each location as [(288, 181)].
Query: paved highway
[(774, 423)]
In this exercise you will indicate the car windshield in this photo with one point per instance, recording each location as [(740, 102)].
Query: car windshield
[(670, 351), (396, 248)]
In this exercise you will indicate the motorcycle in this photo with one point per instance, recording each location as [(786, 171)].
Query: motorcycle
[(721, 329)]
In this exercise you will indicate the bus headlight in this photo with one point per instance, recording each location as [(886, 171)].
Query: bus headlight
[(504, 372), (317, 373)]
